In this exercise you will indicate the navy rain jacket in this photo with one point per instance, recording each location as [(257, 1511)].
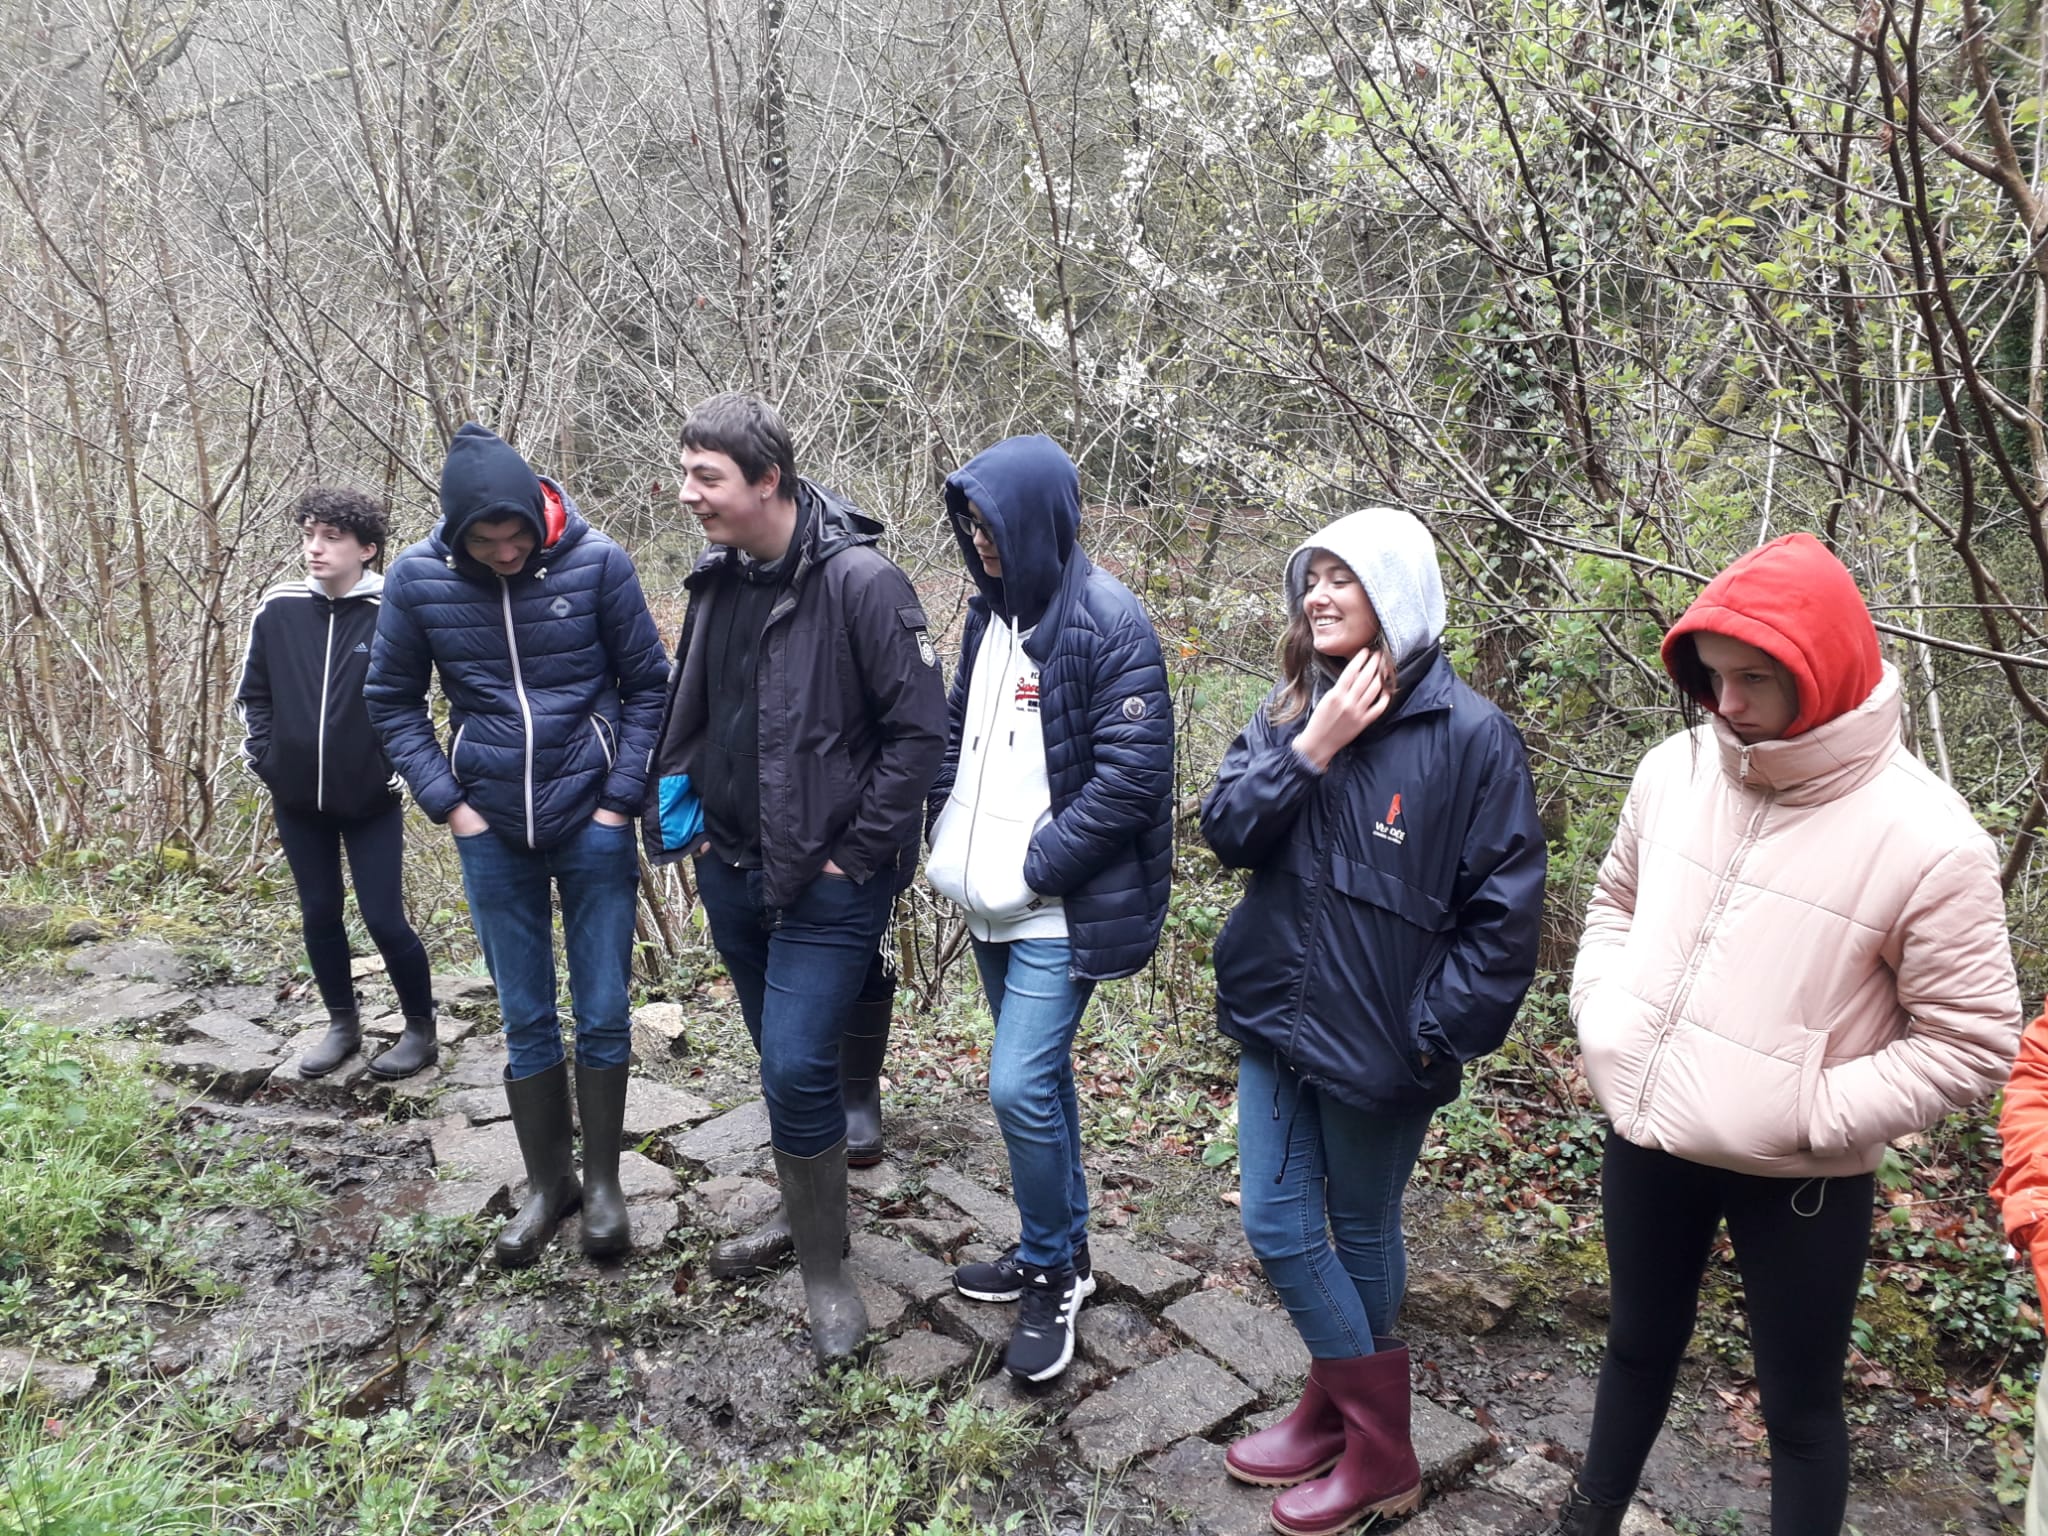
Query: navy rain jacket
[(554, 677), (1394, 900), (1107, 852)]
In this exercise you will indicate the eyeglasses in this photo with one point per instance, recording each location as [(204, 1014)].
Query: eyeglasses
[(973, 527)]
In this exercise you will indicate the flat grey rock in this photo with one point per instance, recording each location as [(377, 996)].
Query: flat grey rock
[(1476, 1512), (1145, 1275), (479, 1062), (921, 1359), (221, 1028), (336, 1087), (45, 1380), (1452, 1301), (480, 1106), (941, 1239), (1148, 1410), (878, 1181), (977, 1324), (921, 1278), (1004, 1393), (656, 1109), (450, 1029), (1533, 1480), (1118, 1336), (994, 1215), (111, 1005), (136, 959), (732, 1143), (651, 1221), (1258, 1343), (1448, 1445), (659, 1031), (230, 1072), (731, 1202), (1188, 1479)]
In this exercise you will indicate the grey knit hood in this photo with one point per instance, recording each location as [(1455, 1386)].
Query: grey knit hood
[(1394, 558)]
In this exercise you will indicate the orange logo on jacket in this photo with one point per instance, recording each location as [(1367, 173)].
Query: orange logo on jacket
[(1387, 830)]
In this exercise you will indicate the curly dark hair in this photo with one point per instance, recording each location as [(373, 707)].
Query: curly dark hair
[(351, 511)]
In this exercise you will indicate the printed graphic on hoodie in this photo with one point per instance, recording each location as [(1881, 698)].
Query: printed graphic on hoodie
[(1387, 828)]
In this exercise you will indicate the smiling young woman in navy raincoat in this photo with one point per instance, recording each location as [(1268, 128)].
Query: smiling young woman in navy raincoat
[(1388, 936)]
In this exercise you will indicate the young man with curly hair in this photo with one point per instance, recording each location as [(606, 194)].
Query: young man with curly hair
[(308, 738)]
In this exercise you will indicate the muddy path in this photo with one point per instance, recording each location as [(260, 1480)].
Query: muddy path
[(364, 1304)]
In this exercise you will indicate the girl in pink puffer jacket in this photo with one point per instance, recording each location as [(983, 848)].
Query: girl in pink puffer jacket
[(1796, 951)]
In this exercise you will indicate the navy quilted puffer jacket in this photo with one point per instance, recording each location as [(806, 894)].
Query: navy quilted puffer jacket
[(555, 677), (1107, 852)]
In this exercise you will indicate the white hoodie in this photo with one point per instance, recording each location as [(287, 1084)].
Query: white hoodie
[(1000, 798)]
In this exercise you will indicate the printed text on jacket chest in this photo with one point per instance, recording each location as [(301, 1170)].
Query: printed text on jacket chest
[(1388, 828)]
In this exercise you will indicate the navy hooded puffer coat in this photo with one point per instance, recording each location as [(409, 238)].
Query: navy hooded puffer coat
[(1389, 932), (1107, 852), (555, 677)]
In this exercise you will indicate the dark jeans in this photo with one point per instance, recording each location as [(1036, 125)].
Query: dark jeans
[(313, 845), (1319, 1188), (511, 905), (797, 971), (1031, 1089), (1800, 1245)]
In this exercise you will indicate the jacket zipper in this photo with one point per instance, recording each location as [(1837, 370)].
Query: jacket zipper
[(1722, 891), (1315, 909), (525, 711), (320, 751), (455, 753)]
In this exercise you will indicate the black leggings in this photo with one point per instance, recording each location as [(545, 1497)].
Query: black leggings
[(376, 844), (1800, 1245)]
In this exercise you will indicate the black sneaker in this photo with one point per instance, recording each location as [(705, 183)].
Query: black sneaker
[(1043, 1342), (1002, 1277)]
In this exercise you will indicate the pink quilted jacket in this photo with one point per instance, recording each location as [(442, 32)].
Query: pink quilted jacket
[(1796, 951)]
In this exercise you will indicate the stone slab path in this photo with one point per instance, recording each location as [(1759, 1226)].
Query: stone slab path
[(1171, 1363)]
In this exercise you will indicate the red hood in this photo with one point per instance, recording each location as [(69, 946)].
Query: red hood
[(1798, 604), (557, 515)]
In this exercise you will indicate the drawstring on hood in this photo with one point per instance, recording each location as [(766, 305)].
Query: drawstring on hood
[(1795, 602), (1029, 494), (1394, 558)]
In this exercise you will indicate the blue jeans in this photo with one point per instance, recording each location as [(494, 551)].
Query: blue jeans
[(597, 871), (797, 971), (1031, 1089), (1289, 1137)]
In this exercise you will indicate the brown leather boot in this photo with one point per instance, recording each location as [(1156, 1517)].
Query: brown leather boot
[(1377, 1473), (1303, 1445)]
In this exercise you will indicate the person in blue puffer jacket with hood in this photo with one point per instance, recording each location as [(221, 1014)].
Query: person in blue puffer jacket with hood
[(555, 676), (1052, 832), (1388, 936)]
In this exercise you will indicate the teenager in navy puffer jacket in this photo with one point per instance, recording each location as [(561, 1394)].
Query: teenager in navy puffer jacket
[(555, 677), (1386, 813)]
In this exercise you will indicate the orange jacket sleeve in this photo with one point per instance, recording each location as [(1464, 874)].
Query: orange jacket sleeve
[(2021, 1188)]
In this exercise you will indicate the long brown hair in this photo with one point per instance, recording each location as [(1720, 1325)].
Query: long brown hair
[(1299, 660)]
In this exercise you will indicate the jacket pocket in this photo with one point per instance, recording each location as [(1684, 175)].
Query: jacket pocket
[(603, 730), (946, 866), (1364, 883), (1811, 1064), (455, 752)]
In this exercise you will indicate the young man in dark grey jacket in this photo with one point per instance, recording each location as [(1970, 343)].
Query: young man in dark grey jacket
[(805, 720)]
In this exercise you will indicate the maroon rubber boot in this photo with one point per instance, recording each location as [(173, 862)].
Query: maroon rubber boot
[(1377, 1473), (1303, 1445)]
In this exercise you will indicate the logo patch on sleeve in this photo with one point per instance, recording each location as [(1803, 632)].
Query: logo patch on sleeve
[(1134, 708), (926, 651)]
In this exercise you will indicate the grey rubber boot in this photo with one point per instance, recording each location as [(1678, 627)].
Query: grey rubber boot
[(814, 1194), (755, 1253), (343, 1038), (540, 1117), (414, 1051), (861, 1050), (601, 1101)]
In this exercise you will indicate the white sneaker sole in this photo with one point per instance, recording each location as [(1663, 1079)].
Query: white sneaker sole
[(1087, 1289)]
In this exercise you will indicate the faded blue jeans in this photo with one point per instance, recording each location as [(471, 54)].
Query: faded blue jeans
[(797, 971), (1031, 1088), (511, 904), (1320, 1193)]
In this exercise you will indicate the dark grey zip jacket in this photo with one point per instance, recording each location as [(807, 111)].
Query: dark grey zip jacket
[(853, 709)]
